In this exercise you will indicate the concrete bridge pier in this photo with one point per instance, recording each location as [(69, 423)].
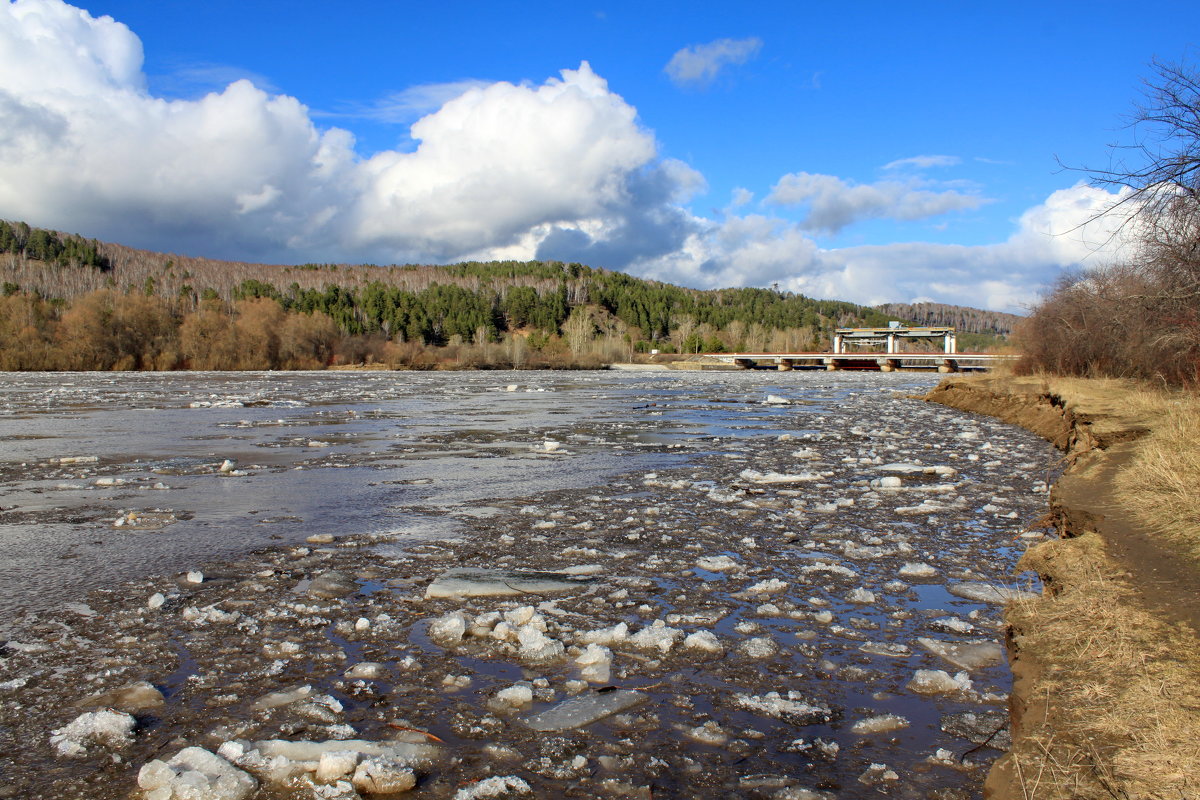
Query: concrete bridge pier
[(785, 364), (833, 364), (948, 365), (888, 364)]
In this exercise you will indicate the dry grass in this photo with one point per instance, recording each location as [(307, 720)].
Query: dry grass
[(1162, 485), (1116, 708)]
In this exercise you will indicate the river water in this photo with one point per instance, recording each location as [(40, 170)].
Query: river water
[(822, 526)]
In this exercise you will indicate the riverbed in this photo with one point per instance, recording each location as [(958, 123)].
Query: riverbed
[(792, 578)]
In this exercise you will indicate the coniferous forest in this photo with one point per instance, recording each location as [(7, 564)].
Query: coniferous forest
[(75, 304)]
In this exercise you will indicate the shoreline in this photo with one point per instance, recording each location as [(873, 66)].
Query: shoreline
[(1137, 591)]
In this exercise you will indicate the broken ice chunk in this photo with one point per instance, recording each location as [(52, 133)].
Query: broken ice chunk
[(657, 635), (584, 710), (107, 728), (605, 636), (704, 641), (964, 655), (471, 582), (794, 708), (917, 570), (883, 723), (987, 593), (449, 628), (518, 695), (493, 787), (536, 647), (195, 774), (595, 663), (716, 563), (936, 681), (769, 586)]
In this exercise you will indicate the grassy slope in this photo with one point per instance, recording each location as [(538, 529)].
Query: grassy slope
[(1107, 661)]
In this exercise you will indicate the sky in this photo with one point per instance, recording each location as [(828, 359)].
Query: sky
[(870, 151)]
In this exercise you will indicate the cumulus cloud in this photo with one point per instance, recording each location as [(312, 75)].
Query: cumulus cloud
[(923, 162), (242, 173), (834, 203), (699, 64), (1063, 232)]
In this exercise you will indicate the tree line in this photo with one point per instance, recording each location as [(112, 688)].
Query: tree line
[(70, 303)]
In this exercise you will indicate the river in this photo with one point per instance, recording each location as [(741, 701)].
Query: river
[(830, 532)]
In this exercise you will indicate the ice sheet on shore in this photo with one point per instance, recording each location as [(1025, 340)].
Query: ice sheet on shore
[(470, 582), (580, 711), (988, 593)]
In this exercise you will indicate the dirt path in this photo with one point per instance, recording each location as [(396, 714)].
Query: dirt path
[(1107, 663)]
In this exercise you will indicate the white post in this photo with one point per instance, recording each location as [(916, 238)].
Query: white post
[(891, 343), (838, 343)]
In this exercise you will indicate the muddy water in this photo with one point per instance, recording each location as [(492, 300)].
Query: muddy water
[(706, 504)]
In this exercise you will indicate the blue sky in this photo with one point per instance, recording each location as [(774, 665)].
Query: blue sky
[(869, 152)]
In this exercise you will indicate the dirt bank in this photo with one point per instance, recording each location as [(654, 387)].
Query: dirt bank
[(1106, 664)]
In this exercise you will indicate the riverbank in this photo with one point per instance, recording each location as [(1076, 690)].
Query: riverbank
[(1106, 663)]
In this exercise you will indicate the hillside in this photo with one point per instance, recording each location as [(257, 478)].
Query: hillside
[(75, 303), (964, 318)]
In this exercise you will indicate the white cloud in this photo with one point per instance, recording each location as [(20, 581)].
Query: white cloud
[(699, 64), (560, 167), (410, 104), (1059, 234), (923, 162), (834, 203)]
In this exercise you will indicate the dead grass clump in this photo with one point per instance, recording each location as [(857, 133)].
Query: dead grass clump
[(1116, 706), (1160, 486)]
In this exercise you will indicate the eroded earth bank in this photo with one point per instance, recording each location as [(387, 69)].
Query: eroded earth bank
[(1106, 701), (537, 584)]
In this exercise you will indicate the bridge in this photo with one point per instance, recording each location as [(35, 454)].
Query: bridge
[(890, 359)]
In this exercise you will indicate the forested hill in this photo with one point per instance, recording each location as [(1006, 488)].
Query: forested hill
[(178, 312), (964, 318)]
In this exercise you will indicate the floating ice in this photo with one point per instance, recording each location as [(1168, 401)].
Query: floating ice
[(107, 728), (917, 570), (195, 774), (493, 787), (332, 585), (754, 476), (656, 636), (769, 586), (884, 723), (890, 649), (580, 711), (716, 563), (965, 655), (794, 708), (536, 647), (936, 681), (469, 582), (987, 593), (595, 663), (776, 400), (708, 733), (449, 628), (861, 596), (758, 647), (276, 699), (518, 695), (605, 636), (131, 698)]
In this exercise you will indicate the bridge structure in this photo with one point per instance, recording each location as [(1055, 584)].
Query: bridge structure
[(892, 357)]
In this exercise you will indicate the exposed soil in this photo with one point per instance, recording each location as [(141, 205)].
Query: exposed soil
[(1137, 572)]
